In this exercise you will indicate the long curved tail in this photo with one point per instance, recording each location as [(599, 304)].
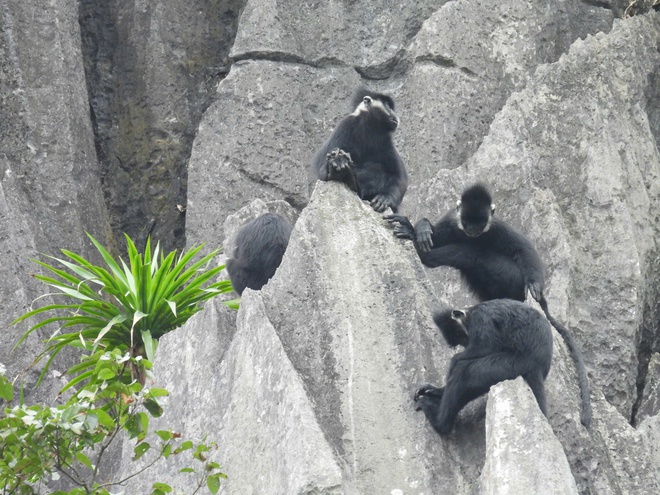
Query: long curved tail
[(583, 380)]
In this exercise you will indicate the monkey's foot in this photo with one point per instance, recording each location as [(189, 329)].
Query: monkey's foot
[(381, 202), (429, 390), (339, 161), (340, 168), (403, 229), (428, 398)]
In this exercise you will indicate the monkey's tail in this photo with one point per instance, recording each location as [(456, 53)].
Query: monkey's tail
[(583, 380)]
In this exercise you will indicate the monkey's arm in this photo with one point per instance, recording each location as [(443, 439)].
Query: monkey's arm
[(388, 178), (420, 234)]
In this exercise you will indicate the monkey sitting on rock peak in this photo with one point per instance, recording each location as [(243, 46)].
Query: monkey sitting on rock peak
[(360, 153)]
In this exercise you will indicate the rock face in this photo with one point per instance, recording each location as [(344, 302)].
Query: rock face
[(50, 186), (329, 366), (151, 69), (521, 447)]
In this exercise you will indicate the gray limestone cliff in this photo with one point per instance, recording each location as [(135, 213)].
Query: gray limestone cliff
[(183, 120)]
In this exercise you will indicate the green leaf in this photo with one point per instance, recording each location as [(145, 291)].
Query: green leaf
[(83, 459), (213, 482), (160, 488), (153, 407), (106, 374), (105, 419), (6, 389), (186, 445), (149, 344), (165, 435), (137, 425), (172, 306), (158, 392), (186, 470), (117, 319), (167, 450), (140, 449)]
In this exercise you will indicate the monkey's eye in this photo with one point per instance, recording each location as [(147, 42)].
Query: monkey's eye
[(367, 100)]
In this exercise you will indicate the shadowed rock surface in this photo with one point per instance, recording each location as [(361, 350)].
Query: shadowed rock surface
[(50, 187)]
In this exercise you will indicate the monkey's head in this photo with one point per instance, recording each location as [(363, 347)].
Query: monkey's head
[(377, 108), (451, 323), (475, 210)]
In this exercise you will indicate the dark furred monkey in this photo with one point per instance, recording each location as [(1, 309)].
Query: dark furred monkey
[(260, 246), (495, 260), (503, 339), (361, 154)]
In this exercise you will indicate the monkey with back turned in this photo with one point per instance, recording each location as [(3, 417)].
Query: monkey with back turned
[(503, 339)]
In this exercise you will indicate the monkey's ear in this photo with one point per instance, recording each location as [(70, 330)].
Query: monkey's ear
[(458, 205), (457, 314), (492, 209), (367, 100)]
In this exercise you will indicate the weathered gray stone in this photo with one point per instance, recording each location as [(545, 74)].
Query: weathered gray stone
[(50, 187), (356, 326), (369, 36), (194, 407), (450, 68), (649, 432), (285, 450), (468, 57), (650, 402), (578, 136), (152, 69), (522, 453), (283, 112)]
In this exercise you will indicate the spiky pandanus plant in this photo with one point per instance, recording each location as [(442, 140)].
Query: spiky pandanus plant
[(126, 307)]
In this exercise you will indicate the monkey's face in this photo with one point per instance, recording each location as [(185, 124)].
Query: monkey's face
[(474, 221), (380, 110)]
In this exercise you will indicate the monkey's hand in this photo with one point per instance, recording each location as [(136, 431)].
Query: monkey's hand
[(404, 229), (381, 202), (424, 235), (535, 289)]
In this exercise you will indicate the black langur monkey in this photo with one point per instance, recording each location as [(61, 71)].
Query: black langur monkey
[(503, 339), (494, 259), (361, 154), (260, 245)]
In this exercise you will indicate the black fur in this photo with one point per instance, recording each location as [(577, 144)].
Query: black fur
[(260, 245), (495, 260), (504, 339), (360, 152)]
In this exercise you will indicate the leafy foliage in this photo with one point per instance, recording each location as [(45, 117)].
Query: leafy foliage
[(40, 443), (135, 305), (116, 315)]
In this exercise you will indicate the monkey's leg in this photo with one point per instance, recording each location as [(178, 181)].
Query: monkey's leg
[(340, 168), (469, 379)]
